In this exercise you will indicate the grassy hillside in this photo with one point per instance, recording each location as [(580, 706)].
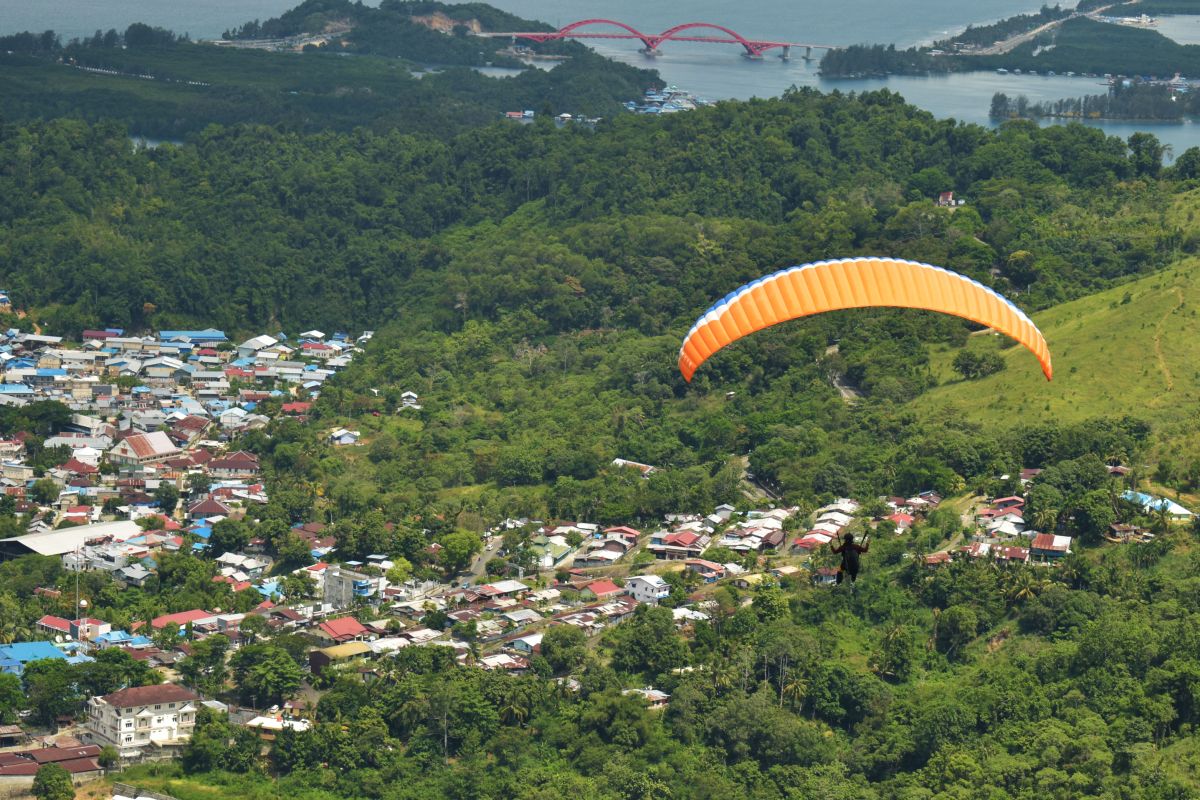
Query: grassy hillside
[(1133, 349)]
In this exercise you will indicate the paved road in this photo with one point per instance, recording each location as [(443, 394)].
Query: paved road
[(1013, 42)]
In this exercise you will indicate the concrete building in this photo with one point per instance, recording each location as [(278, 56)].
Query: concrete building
[(143, 718)]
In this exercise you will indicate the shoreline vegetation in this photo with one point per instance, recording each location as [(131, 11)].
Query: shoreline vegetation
[(1052, 41), (1151, 102)]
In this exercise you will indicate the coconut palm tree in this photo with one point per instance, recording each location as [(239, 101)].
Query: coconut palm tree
[(795, 690), (1023, 587)]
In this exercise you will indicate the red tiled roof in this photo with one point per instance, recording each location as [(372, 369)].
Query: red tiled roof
[(603, 588), (150, 695), (343, 628), (295, 408), (55, 623), (77, 467), (682, 539), (180, 618), (208, 508)]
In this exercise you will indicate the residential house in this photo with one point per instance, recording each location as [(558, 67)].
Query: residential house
[(709, 571), (601, 590), (648, 589), (342, 630), (342, 437), (343, 587), (678, 545), (237, 465), (208, 508), (143, 717), (527, 644), (1049, 546)]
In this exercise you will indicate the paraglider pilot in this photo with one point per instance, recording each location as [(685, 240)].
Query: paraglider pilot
[(849, 552)]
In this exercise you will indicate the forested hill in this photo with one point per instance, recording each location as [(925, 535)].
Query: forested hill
[(387, 69), (248, 225)]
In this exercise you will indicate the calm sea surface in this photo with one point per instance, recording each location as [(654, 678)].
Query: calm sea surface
[(713, 71)]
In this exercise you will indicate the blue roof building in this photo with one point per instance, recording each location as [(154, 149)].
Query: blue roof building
[(14, 657), (208, 335)]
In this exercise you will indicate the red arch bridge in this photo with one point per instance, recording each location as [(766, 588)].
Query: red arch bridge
[(688, 32)]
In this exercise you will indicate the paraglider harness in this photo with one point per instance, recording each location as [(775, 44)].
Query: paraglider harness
[(849, 552)]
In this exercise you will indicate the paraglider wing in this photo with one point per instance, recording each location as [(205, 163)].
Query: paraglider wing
[(854, 283)]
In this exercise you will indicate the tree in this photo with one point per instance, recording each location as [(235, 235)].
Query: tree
[(109, 756), (253, 627), (228, 536), (649, 643), (166, 638), (52, 690), (12, 699), (52, 782), (204, 668), (1145, 154), (564, 647), (458, 549), (972, 365), (265, 674), (167, 496), (44, 491), (400, 570), (956, 628)]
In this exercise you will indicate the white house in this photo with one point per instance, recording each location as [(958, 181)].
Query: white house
[(344, 437), (142, 717), (647, 588)]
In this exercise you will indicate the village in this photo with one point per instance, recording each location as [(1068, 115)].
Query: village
[(147, 466)]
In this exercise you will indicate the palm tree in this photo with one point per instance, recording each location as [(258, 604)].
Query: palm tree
[(1046, 519), (795, 690), (1024, 586), (1162, 519)]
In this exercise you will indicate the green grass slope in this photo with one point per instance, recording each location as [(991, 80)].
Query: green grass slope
[(1133, 349)]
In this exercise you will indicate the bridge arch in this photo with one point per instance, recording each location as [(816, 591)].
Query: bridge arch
[(752, 48), (567, 30)]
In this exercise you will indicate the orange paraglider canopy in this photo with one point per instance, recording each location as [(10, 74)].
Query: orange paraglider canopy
[(854, 283)]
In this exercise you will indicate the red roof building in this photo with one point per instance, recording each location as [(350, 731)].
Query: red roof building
[(180, 618), (76, 467), (603, 590), (53, 624), (344, 629), (208, 507)]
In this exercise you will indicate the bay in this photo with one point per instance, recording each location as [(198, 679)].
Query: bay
[(712, 71)]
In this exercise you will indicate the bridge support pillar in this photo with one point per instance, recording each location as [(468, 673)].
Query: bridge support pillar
[(808, 54), (786, 53), (652, 52)]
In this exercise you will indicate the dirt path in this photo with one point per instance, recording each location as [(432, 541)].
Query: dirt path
[(848, 392), (1158, 334)]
